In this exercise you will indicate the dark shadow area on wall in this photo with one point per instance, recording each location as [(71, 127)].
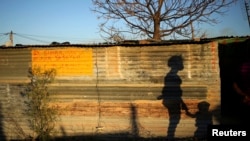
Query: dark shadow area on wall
[(231, 60), (172, 94), (2, 135), (133, 121)]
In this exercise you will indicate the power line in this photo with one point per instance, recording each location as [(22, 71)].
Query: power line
[(31, 38), (3, 38), (25, 36), (10, 42), (49, 39)]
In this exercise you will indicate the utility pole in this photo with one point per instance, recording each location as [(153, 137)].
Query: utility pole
[(10, 43), (11, 38)]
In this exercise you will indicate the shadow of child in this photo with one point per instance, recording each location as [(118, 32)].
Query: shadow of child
[(203, 119)]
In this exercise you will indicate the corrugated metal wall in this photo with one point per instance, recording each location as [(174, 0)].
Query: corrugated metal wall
[(117, 92), (14, 63)]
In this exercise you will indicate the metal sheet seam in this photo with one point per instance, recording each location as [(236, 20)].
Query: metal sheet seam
[(98, 127)]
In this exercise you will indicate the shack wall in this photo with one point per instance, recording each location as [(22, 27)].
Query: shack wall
[(112, 89)]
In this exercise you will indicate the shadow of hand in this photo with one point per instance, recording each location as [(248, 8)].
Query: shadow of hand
[(159, 97), (190, 114)]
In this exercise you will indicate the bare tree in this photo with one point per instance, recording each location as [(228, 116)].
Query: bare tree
[(111, 34), (158, 18)]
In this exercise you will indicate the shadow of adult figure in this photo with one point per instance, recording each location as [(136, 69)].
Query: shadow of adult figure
[(203, 119), (172, 95)]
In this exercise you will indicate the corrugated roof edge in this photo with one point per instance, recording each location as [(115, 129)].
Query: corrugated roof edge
[(129, 43), (108, 45)]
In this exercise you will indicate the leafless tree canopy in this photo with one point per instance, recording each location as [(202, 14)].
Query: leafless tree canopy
[(157, 18)]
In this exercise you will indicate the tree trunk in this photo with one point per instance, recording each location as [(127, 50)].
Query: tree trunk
[(192, 30), (157, 22), (157, 31)]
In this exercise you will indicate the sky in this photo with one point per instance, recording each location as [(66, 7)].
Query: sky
[(45, 21)]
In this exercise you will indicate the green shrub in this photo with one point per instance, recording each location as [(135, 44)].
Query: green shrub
[(42, 115)]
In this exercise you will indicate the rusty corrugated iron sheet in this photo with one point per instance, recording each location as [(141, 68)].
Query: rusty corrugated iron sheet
[(119, 92)]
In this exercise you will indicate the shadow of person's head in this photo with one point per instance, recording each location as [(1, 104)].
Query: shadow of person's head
[(203, 106), (176, 62)]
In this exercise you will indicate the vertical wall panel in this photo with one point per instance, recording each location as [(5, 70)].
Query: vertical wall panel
[(14, 63)]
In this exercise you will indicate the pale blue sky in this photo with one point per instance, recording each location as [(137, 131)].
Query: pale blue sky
[(73, 21)]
